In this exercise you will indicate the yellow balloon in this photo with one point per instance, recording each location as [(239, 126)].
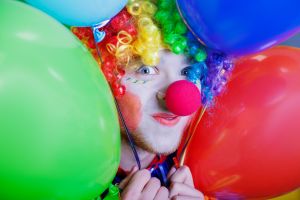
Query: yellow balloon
[(295, 195)]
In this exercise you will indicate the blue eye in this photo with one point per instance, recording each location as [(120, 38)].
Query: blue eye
[(185, 71), (147, 70)]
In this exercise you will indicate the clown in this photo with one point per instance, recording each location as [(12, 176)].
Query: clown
[(146, 49), (156, 131)]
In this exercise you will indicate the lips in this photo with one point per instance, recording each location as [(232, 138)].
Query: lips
[(166, 119)]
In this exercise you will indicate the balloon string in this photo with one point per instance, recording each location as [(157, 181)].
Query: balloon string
[(128, 134), (97, 47), (184, 149)]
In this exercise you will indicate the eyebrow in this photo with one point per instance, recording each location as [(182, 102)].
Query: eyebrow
[(187, 60), (134, 64)]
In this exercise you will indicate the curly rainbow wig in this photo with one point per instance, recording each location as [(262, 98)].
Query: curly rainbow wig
[(144, 28)]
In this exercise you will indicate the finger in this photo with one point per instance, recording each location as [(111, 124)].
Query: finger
[(171, 172), (183, 175), (125, 181), (136, 184), (186, 198), (151, 189), (162, 194), (180, 189)]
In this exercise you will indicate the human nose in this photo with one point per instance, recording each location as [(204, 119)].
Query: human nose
[(167, 80), (161, 98), (183, 98)]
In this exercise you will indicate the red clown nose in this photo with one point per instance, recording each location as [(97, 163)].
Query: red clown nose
[(183, 98)]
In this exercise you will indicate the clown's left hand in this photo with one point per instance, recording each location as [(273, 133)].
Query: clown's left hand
[(182, 185)]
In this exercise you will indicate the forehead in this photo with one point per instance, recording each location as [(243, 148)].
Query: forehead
[(169, 59)]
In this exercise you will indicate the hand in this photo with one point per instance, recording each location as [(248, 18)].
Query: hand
[(139, 185), (182, 185)]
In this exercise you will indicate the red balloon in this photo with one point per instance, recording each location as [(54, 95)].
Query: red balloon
[(248, 144)]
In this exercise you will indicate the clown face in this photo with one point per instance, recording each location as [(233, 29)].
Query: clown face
[(153, 127)]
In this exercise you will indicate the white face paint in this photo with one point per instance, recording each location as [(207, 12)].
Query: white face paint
[(154, 128)]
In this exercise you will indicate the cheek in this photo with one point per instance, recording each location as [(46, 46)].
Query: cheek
[(130, 106)]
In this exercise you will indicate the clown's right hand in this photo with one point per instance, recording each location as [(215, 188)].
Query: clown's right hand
[(139, 185)]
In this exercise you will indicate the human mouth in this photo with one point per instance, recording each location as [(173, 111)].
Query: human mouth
[(166, 119)]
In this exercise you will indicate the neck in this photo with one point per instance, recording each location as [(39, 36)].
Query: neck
[(127, 158)]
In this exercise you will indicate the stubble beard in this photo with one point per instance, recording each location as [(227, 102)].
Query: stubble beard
[(140, 142)]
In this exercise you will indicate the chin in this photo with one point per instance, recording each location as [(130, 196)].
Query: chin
[(164, 147), (156, 138)]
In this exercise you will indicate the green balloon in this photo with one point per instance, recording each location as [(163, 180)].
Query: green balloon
[(59, 131)]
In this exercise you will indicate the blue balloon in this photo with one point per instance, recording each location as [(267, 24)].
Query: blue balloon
[(80, 12), (240, 27)]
